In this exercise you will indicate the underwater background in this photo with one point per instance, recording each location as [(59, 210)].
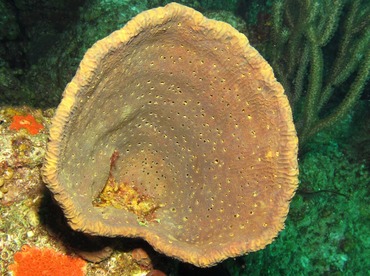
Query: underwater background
[(320, 52)]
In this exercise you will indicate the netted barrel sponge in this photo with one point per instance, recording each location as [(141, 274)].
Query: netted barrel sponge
[(175, 130)]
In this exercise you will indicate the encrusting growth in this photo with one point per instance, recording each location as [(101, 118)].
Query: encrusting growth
[(125, 196)]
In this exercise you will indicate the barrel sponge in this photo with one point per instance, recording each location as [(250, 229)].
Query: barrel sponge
[(174, 129)]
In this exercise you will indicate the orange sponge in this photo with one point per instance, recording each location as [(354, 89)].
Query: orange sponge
[(28, 122), (32, 261)]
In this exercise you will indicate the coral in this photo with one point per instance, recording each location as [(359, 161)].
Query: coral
[(32, 261), (320, 53), (27, 122), (21, 152), (204, 134), (22, 147)]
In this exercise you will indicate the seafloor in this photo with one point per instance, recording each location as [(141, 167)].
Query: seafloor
[(41, 43)]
